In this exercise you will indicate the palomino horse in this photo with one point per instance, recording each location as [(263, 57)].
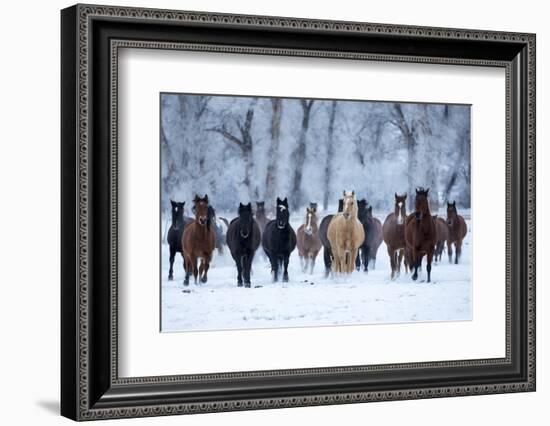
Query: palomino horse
[(307, 240), (279, 240), (420, 233), (198, 241), (393, 232), (175, 232), (442, 231), (457, 231), (373, 236), (323, 230), (243, 239), (346, 234)]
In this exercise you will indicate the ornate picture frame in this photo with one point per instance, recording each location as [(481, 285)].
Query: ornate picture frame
[(91, 37)]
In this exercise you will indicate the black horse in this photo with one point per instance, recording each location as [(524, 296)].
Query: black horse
[(175, 232), (279, 240), (243, 239), (323, 228)]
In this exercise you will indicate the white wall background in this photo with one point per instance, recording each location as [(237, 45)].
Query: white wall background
[(29, 211)]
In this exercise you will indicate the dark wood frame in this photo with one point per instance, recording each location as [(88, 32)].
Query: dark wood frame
[(91, 37)]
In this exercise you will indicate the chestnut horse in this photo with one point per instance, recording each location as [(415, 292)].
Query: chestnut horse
[(457, 231), (420, 233), (307, 240), (346, 234), (393, 232), (198, 241), (442, 231)]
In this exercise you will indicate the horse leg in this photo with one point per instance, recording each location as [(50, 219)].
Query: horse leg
[(275, 268), (450, 250), (391, 254), (312, 263), (458, 251), (358, 259), (187, 269), (239, 262), (285, 264), (171, 270), (400, 255), (416, 264), (328, 261), (206, 261), (429, 257), (365, 253), (247, 265)]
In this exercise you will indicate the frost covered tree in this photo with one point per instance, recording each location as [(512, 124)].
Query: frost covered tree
[(241, 149)]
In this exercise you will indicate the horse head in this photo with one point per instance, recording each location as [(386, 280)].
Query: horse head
[(362, 209), (421, 205), (400, 210), (177, 214), (260, 208), (200, 207), (283, 214), (245, 220), (350, 205), (311, 221), (452, 214)]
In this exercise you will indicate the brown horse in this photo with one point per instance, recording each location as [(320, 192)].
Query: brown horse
[(308, 241), (393, 232), (346, 234), (373, 236), (198, 241), (442, 231), (457, 231), (420, 233)]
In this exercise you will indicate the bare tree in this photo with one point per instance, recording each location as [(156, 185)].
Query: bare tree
[(300, 154), (330, 153), (273, 152), (243, 141)]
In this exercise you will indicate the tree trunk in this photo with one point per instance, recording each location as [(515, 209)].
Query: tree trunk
[(273, 153), (330, 153), (300, 156)]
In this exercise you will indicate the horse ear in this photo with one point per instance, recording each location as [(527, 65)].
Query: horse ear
[(249, 206), (173, 203), (197, 198), (427, 190), (206, 198), (417, 191), (405, 196), (182, 204), (454, 203), (353, 193), (395, 193), (285, 201), (344, 192), (279, 200)]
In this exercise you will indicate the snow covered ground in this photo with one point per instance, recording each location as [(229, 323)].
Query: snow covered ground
[(312, 300)]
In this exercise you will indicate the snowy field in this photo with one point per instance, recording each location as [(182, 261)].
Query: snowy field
[(312, 300)]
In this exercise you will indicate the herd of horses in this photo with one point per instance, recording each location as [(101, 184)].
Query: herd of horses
[(350, 238)]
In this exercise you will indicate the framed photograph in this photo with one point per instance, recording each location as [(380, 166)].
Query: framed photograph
[(263, 212)]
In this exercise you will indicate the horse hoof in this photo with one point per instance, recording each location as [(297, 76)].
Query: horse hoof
[(170, 278), (285, 278), (414, 277), (247, 285), (239, 284), (186, 283), (204, 280)]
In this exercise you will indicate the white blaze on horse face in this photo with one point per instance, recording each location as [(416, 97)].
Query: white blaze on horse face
[(400, 218), (308, 224)]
